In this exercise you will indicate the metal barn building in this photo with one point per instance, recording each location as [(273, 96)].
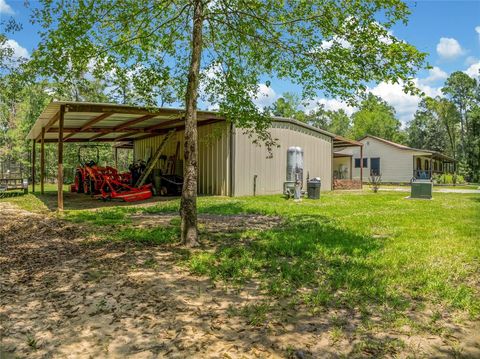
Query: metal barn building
[(229, 163)]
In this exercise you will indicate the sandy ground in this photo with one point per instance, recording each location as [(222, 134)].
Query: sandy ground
[(61, 297)]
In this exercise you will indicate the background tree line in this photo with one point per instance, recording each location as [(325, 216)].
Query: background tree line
[(449, 124), (21, 103)]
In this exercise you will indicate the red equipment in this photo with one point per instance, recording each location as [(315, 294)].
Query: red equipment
[(106, 183)]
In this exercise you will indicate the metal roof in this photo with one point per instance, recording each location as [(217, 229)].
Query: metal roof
[(107, 122), (341, 142), (403, 147)]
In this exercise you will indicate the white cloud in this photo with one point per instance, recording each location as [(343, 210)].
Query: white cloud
[(473, 70), (449, 48), (331, 104), (265, 96), (434, 74), (477, 30), (405, 105), (471, 60), (18, 51), (5, 8), (337, 41)]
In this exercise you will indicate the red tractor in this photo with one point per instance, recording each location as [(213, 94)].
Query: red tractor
[(105, 182)]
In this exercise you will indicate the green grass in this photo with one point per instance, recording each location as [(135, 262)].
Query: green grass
[(102, 217), (346, 250), (355, 250), (31, 201)]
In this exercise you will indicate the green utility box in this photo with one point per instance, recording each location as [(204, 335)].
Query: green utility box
[(421, 189)]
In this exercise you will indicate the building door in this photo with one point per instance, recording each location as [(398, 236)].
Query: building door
[(375, 166)]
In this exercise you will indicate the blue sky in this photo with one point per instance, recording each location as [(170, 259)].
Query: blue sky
[(448, 30)]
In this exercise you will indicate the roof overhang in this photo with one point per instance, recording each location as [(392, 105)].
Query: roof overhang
[(342, 142), (416, 151), (339, 155), (440, 156), (101, 122)]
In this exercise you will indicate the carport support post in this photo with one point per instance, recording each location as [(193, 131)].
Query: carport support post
[(361, 166), (431, 167), (33, 166), (42, 161), (60, 159)]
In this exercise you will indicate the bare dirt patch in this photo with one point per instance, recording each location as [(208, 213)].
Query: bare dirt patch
[(62, 296), (212, 223)]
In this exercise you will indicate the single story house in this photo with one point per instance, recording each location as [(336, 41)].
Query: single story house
[(396, 163), (229, 162)]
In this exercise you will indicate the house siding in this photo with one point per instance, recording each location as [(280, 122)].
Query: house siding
[(252, 159), (396, 165)]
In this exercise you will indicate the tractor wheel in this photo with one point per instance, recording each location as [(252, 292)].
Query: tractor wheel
[(79, 182), (88, 186)]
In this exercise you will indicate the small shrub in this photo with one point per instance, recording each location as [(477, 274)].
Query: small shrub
[(375, 180), (449, 178), (32, 342)]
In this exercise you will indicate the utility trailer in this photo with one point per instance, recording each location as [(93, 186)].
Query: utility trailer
[(14, 184), (11, 180)]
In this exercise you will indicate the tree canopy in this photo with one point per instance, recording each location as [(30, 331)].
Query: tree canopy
[(219, 51), (337, 47), (223, 48), (376, 117)]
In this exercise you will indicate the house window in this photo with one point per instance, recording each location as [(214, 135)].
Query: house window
[(419, 164), (357, 162), (427, 165), (375, 166), (435, 165)]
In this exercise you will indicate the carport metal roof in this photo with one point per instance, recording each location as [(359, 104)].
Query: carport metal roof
[(101, 122), (106, 122)]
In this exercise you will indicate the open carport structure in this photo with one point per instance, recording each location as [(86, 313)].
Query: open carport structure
[(229, 162), (63, 122)]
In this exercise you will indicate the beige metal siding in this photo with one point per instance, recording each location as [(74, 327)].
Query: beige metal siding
[(213, 156), (252, 159)]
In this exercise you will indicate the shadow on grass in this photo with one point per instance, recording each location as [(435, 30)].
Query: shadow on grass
[(77, 201), (310, 257)]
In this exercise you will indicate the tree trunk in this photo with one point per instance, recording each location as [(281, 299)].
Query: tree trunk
[(462, 132), (188, 204)]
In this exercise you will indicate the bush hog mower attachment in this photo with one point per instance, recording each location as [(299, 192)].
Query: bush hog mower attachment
[(105, 182), (112, 188)]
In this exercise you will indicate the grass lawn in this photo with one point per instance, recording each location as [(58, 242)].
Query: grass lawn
[(395, 262), (348, 249)]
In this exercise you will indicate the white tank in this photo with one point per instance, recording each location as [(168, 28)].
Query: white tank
[(295, 164)]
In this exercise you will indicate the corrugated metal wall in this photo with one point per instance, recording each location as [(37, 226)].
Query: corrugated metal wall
[(213, 156), (251, 160)]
